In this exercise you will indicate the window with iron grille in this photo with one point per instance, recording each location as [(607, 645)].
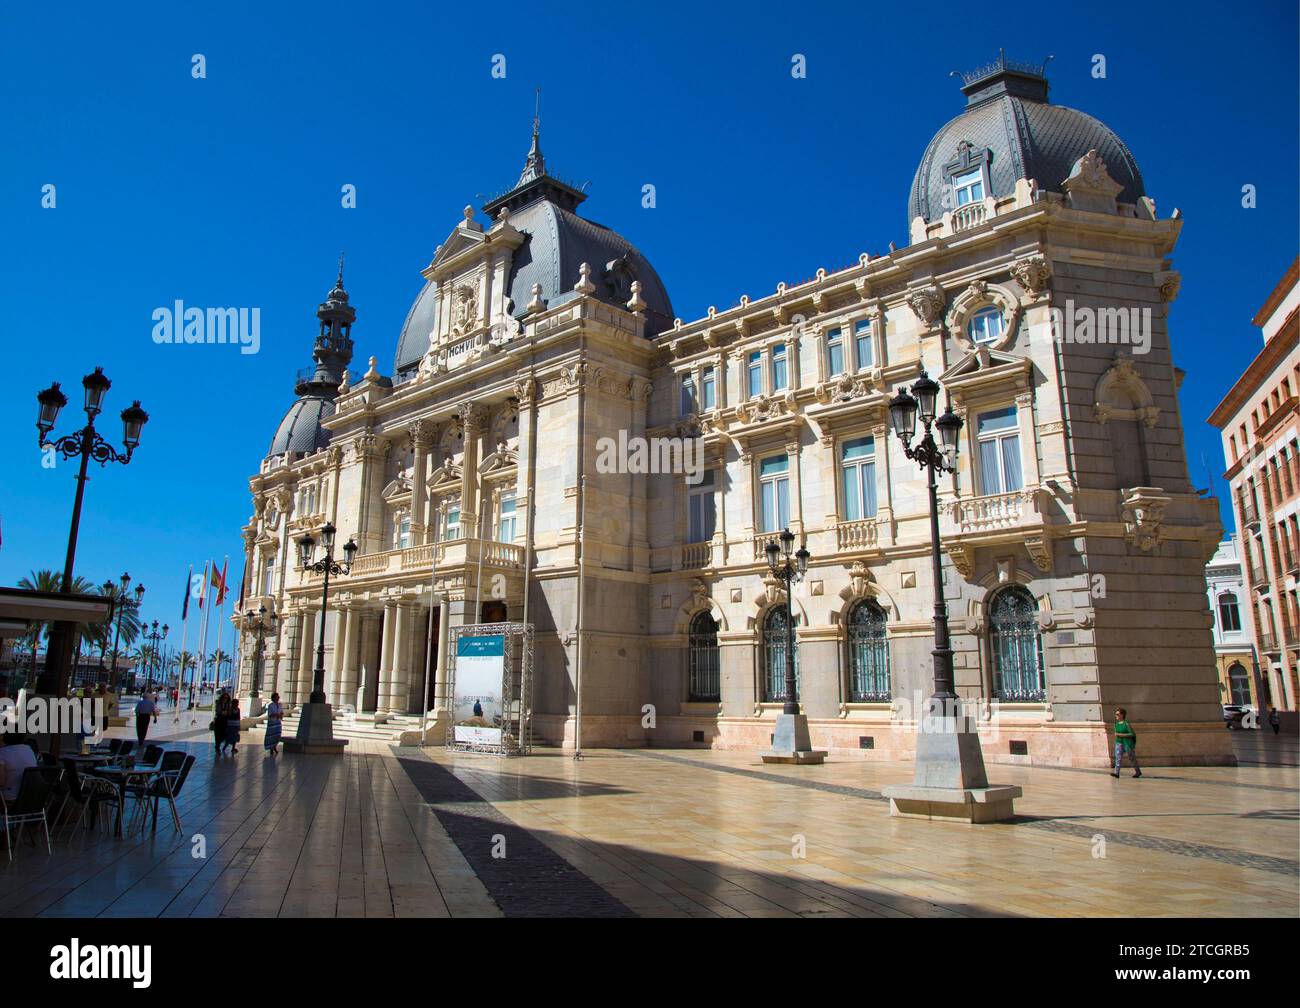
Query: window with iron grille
[(1017, 646), (868, 653), (774, 645), (705, 681)]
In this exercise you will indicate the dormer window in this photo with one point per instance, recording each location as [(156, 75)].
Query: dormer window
[(968, 187), (986, 326)]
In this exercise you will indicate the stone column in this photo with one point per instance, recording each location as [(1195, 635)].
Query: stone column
[(471, 423), (335, 678), (884, 486), (307, 659), (399, 677), (441, 702), (348, 666), (386, 659), (421, 435), (796, 496)]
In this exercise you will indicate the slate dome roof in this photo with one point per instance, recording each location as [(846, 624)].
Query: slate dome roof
[(558, 242), (1010, 126), (300, 430)]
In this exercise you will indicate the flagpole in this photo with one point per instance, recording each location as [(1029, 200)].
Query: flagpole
[(185, 626), (203, 623)]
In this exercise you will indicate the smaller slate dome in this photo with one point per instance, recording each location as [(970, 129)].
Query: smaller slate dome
[(300, 430), (1012, 131)]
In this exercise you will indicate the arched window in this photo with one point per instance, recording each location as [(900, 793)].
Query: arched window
[(1017, 646), (1229, 614), (868, 654), (774, 645), (1239, 685), (705, 681)]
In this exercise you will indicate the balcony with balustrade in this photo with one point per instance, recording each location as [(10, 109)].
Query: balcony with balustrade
[(448, 555)]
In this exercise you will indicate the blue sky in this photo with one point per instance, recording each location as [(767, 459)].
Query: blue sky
[(226, 191)]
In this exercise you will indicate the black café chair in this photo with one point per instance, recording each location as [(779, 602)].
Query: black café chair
[(115, 746), (167, 786), (29, 806), (87, 791), (152, 754)]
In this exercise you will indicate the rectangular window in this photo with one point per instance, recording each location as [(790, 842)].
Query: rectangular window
[(835, 353), (710, 389), (702, 510), (506, 517), (774, 493), (780, 371), (404, 532), (755, 371), (998, 440), (862, 344), (268, 575), (688, 395), (968, 187), (451, 529), (858, 469)]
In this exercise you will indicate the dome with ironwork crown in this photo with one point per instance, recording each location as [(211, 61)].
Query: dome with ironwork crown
[(1009, 131)]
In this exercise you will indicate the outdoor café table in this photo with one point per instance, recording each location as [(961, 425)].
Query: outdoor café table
[(121, 776)]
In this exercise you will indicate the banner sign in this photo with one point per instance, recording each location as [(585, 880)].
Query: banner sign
[(480, 670)]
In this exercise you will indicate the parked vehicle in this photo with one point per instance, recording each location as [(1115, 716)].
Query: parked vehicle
[(1234, 714)]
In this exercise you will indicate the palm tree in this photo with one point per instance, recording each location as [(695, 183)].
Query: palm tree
[(216, 660), (43, 581), (125, 609), (182, 662), (144, 657)]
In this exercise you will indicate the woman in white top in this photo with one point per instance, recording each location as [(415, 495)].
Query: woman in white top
[(274, 714)]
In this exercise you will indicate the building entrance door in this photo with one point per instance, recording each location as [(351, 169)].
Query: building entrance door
[(493, 612)]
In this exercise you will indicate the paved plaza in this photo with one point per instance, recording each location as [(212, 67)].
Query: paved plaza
[(402, 832)]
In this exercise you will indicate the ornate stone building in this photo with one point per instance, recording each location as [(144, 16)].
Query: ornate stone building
[(1259, 420), (476, 483)]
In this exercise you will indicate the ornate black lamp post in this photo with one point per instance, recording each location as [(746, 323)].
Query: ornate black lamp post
[(87, 444), (155, 638), (123, 603), (327, 565), (791, 742), (259, 622), (950, 781), (934, 458), (779, 562)]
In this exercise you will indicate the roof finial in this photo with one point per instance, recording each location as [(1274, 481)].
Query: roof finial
[(535, 166), (340, 283)]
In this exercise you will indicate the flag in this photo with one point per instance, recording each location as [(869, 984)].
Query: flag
[(185, 607), (242, 578), (204, 593), (219, 581)]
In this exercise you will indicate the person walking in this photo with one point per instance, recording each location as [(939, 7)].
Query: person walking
[(220, 712), (1274, 720), (274, 715), (1125, 742), (232, 726), (145, 708)]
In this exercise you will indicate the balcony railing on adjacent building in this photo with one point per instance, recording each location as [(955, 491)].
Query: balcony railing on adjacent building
[(1268, 643), (989, 513), (856, 535), (697, 555), (446, 552)]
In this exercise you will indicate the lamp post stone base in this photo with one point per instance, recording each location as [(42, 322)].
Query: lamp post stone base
[(950, 782), (791, 742), (315, 732)]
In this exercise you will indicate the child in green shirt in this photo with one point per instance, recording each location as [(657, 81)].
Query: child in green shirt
[(1125, 741)]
